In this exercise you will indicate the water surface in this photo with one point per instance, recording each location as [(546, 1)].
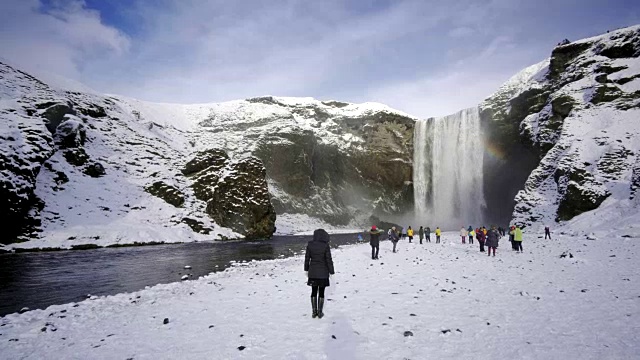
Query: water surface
[(37, 280)]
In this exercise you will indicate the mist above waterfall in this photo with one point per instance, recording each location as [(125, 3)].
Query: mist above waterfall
[(448, 171)]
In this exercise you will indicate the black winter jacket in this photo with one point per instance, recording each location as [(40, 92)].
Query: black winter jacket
[(317, 260), (374, 237)]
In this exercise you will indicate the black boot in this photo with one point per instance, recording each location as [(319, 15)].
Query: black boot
[(314, 307), (320, 305)]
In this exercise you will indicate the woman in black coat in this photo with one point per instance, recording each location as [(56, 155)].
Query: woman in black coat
[(318, 265)]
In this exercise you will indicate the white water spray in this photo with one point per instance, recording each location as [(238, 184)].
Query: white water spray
[(447, 171)]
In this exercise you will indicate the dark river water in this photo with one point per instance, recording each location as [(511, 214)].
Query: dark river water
[(37, 280)]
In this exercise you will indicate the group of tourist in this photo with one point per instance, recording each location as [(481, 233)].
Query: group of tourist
[(318, 263)]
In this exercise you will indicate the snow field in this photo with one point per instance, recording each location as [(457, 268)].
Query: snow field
[(534, 305)]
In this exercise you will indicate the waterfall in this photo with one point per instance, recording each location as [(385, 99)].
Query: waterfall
[(447, 171)]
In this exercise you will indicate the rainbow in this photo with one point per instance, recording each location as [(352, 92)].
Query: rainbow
[(495, 151)]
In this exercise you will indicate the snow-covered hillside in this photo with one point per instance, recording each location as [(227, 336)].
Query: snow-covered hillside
[(579, 112), (83, 168), (78, 167)]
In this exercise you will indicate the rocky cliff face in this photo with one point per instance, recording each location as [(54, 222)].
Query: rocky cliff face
[(81, 167), (562, 139), (574, 116), (329, 160)]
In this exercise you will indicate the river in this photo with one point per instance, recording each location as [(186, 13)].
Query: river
[(40, 279)]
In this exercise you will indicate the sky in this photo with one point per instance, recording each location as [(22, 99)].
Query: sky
[(427, 58)]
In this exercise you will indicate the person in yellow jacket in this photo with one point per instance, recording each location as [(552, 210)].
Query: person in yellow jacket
[(517, 239), (410, 233), (438, 233)]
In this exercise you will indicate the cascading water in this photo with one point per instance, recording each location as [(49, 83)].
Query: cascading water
[(447, 171)]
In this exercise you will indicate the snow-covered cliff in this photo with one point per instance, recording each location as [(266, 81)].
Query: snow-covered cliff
[(579, 113), (79, 167)]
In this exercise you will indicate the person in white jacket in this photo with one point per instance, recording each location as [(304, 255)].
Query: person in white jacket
[(463, 234)]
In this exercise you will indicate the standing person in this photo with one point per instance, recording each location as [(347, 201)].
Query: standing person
[(374, 241), (438, 233), (471, 234), (492, 240), (395, 237), (421, 234), (517, 238), (410, 233), (463, 234), (319, 266), (428, 234), (481, 238), (547, 232), (512, 232)]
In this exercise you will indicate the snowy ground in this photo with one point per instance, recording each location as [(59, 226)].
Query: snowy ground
[(458, 304)]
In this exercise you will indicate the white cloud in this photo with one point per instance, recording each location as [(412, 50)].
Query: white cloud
[(461, 32), (60, 39), (440, 95), (425, 57), (284, 49)]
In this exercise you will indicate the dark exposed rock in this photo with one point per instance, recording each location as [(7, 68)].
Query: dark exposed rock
[(270, 100), (374, 220), (581, 193), (196, 226), (55, 115), (85, 247), (238, 200), (624, 80), (606, 69), (337, 104), (94, 111), (562, 105), (614, 162), (562, 55), (166, 192), (322, 180), (501, 117), (76, 156), (95, 170), (70, 134), (61, 178), (605, 93), (212, 157), (289, 160), (24, 152), (625, 45)]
